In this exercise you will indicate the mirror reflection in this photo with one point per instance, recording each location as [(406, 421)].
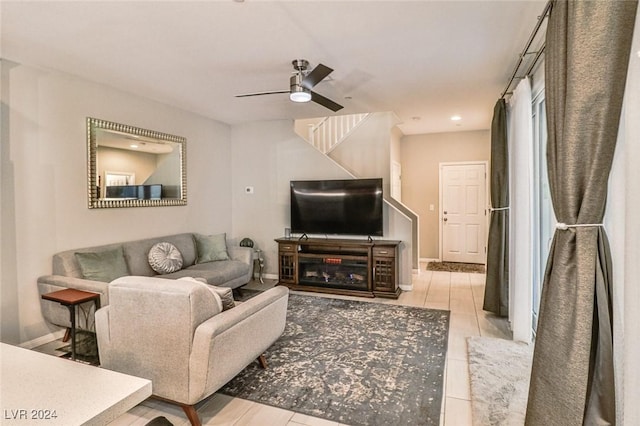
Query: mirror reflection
[(133, 167)]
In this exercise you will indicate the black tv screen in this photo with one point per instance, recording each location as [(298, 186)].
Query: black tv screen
[(347, 207)]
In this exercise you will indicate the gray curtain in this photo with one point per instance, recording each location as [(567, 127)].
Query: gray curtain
[(496, 293), (587, 52)]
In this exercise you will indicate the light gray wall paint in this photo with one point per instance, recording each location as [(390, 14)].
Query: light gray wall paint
[(267, 156), (421, 156), (44, 181), (303, 125), (396, 148), (367, 152)]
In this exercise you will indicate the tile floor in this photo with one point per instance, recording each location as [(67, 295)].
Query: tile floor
[(461, 293)]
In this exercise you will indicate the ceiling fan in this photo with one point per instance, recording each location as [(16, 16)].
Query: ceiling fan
[(300, 85)]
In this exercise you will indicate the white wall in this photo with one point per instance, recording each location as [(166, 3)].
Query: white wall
[(396, 147), (303, 125), (267, 156), (421, 156), (44, 181), (367, 150)]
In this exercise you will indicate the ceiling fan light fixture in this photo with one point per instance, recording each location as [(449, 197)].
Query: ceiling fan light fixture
[(300, 96), (297, 93), (301, 83)]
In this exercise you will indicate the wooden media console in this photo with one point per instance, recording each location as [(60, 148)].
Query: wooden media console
[(340, 266)]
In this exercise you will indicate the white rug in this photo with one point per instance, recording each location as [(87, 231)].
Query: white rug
[(499, 371)]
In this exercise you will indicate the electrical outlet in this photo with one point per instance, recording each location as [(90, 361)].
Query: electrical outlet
[(248, 189)]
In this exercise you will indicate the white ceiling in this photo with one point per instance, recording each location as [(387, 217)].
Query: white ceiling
[(426, 59)]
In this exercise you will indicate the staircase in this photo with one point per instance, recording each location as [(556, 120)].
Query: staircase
[(364, 156), (331, 131)]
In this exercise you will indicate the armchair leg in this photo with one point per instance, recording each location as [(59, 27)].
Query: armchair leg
[(189, 410), (263, 361), (67, 335), (192, 415)]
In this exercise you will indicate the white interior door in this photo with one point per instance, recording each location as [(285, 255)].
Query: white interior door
[(463, 224)]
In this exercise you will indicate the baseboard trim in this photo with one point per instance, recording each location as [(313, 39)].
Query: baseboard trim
[(39, 341), (406, 287)]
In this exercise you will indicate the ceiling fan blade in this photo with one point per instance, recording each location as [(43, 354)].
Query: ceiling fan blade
[(316, 76), (325, 102), (261, 93)]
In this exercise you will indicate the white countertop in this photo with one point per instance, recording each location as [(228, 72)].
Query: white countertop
[(34, 387)]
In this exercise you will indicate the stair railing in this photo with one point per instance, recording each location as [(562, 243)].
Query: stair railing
[(331, 131)]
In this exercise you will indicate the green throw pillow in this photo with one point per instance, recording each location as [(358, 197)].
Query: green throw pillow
[(211, 248), (225, 294), (105, 266)]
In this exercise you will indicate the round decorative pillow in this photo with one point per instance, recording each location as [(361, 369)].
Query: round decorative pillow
[(165, 258)]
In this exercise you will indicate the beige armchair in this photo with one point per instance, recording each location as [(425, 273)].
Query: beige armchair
[(173, 333)]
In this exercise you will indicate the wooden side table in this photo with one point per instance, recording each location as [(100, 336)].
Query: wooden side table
[(71, 298)]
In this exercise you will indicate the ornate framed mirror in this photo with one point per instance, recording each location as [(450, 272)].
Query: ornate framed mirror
[(132, 167)]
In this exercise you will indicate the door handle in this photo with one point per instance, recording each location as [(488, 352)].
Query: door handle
[(445, 219)]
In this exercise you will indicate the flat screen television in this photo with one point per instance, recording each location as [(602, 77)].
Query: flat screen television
[(339, 207)]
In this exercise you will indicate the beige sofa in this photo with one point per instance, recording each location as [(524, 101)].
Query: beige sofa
[(67, 273), (172, 333)]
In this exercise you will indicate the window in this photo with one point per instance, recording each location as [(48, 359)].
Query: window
[(544, 217)]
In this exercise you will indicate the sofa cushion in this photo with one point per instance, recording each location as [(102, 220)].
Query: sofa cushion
[(104, 265), (165, 258), (211, 248), (135, 252), (216, 273)]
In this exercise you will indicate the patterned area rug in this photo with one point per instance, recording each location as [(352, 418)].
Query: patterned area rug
[(358, 363), (500, 371), (456, 267)]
